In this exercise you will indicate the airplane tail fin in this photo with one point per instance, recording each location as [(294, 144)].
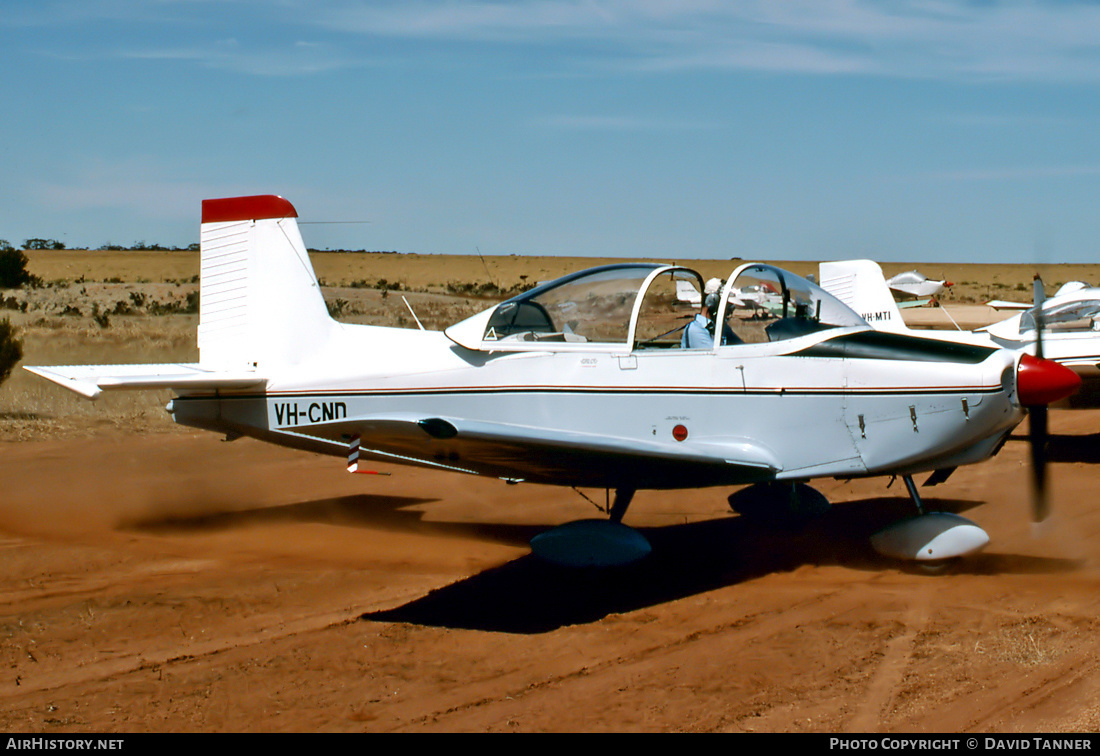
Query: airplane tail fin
[(260, 303), (861, 285), (260, 307)]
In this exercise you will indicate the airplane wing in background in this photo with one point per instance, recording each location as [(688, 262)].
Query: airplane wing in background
[(1000, 304), (913, 303)]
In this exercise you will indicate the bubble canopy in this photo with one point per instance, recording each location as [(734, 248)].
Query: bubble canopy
[(642, 306)]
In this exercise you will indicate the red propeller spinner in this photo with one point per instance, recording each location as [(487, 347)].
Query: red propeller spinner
[(1040, 381)]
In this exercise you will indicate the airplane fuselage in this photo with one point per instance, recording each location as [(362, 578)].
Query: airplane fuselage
[(793, 408)]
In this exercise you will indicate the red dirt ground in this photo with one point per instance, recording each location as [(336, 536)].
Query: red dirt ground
[(175, 582)]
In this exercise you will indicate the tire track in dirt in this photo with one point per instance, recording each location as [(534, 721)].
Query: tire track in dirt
[(887, 678), (659, 662), (1045, 692), (646, 659), (260, 630)]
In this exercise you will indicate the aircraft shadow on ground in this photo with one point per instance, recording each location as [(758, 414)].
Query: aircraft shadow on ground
[(389, 513), (529, 596), (361, 510), (1067, 448)]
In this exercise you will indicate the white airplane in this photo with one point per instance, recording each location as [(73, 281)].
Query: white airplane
[(1065, 289), (914, 284), (583, 382), (1070, 333)]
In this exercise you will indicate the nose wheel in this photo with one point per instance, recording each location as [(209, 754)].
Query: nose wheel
[(932, 539)]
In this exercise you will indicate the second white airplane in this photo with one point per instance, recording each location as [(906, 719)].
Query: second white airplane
[(1069, 320)]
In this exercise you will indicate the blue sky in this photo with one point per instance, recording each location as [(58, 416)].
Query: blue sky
[(910, 130)]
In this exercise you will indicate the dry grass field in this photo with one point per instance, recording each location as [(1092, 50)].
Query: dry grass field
[(154, 578), (433, 273), (141, 300)]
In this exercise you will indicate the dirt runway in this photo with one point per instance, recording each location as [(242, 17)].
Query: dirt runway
[(175, 582)]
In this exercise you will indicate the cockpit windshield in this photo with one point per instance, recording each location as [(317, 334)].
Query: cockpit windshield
[(1081, 315), (764, 303), (646, 306), (592, 306)]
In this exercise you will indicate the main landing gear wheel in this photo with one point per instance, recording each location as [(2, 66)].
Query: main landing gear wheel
[(594, 543)]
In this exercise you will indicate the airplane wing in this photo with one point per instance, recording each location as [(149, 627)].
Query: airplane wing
[(90, 380), (1000, 304), (541, 455), (686, 292), (914, 303)]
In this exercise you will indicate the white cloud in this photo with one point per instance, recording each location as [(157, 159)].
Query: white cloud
[(623, 123), (299, 58), (1025, 39)]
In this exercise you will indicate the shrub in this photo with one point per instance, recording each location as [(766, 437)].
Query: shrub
[(11, 349), (12, 303), (13, 269), (337, 307), (102, 319)]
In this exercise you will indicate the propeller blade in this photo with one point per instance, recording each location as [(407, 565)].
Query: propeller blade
[(1037, 420), (1038, 290), (1039, 298)]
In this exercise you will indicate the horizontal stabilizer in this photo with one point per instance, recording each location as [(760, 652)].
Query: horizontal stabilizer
[(90, 380)]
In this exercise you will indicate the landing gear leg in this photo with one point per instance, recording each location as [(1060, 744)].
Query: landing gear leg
[(622, 501), (913, 494)]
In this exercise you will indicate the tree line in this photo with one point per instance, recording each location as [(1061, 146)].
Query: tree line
[(137, 246)]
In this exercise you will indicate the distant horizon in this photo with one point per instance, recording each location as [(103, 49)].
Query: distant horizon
[(672, 259), (141, 245)]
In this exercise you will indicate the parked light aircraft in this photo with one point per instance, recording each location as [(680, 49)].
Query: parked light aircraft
[(915, 285), (1065, 289), (583, 381), (1070, 321)]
